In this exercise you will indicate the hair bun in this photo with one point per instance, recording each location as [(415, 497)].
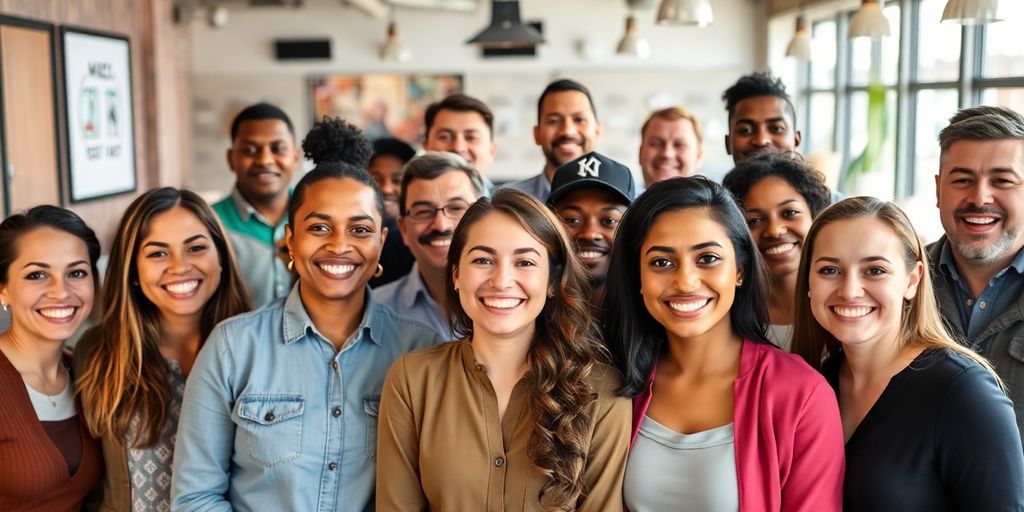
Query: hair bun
[(337, 140)]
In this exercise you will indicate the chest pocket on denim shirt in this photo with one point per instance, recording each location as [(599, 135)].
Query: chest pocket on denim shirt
[(371, 407), (271, 427)]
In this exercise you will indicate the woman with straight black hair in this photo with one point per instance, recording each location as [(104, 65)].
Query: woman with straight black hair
[(722, 420)]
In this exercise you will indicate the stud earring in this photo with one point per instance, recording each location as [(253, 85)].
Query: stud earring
[(380, 270), (739, 283), (4, 305), (808, 294)]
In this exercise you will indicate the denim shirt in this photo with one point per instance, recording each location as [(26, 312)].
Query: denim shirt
[(275, 419), (409, 296), (1002, 292)]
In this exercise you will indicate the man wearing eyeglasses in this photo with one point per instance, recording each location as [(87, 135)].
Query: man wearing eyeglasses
[(437, 189)]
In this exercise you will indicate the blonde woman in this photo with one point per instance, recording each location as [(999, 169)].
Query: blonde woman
[(927, 426), (171, 278)]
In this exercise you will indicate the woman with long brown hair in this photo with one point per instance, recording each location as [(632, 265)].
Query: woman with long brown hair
[(170, 279), (927, 426), (519, 414)]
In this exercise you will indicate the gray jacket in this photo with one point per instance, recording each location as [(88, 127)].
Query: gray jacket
[(1002, 341)]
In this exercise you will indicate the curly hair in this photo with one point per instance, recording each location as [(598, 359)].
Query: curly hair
[(564, 350), (755, 85), (335, 140), (788, 166), (339, 150)]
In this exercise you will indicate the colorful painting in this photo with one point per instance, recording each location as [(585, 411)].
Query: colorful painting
[(382, 105)]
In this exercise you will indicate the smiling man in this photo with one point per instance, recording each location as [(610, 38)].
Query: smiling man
[(978, 266), (437, 189), (263, 156), (567, 127), (672, 144), (761, 117), (590, 194)]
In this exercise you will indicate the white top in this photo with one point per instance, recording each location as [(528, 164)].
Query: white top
[(667, 470), (53, 408), (781, 335)]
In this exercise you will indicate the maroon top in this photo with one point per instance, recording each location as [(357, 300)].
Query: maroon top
[(35, 472)]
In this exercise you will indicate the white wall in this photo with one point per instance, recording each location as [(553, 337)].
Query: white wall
[(234, 66)]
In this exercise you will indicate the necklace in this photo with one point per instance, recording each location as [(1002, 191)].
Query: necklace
[(53, 398)]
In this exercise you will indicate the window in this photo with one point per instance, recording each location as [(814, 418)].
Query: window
[(927, 69)]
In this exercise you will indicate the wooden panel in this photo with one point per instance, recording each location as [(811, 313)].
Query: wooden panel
[(31, 141)]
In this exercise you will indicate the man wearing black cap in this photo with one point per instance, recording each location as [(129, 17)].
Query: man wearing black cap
[(590, 194)]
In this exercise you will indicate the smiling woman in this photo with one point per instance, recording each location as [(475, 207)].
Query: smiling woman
[(47, 281), (522, 401), (721, 419), (170, 279), (280, 412), (927, 424)]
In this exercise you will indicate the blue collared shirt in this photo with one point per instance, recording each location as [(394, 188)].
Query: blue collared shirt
[(537, 186), (275, 419), (408, 296), (1001, 292)]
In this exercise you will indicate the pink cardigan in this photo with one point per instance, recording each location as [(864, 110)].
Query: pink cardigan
[(789, 438)]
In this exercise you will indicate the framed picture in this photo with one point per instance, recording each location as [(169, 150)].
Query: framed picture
[(98, 110), (381, 105)]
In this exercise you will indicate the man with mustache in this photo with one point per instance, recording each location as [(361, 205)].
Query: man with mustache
[(263, 155), (978, 266), (567, 127), (590, 194), (437, 189), (386, 168), (761, 117)]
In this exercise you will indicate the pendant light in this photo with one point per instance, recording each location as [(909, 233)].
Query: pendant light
[(800, 46), (685, 12), (971, 12), (393, 49), (632, 45), (869, 21), (506, 29)]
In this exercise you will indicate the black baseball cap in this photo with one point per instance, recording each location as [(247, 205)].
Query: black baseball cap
[(593, 170)]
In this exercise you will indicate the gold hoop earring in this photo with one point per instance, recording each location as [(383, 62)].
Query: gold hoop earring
[(380, 270), (291, 264)]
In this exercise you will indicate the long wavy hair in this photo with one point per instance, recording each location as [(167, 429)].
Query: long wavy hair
[(564, 349), (921, 322), (634, 337), (125, 376)]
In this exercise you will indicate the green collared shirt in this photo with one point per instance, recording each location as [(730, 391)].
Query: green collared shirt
[(254, 242)]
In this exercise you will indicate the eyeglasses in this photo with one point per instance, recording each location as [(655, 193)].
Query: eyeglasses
[(426, 213)]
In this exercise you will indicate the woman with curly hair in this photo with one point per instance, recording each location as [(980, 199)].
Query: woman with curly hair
[(722, 420), (519, 414), (780, 197), (171, 278)]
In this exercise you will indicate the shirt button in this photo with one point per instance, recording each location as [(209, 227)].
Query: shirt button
[(981, 305), (332, 466), (336, 412), (269, 417), (499, 462), (334, 365), (970, 302)]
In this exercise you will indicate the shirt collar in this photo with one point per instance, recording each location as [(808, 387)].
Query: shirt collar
[(296, 322), (412, 288), (948, 264), (247, 212)]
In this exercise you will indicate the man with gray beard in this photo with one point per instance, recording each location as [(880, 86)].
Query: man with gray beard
[(978, 266)]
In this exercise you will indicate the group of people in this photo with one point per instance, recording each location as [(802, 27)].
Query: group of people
[(394, 332)]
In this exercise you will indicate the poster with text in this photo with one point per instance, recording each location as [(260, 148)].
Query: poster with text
[(98, 106)]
